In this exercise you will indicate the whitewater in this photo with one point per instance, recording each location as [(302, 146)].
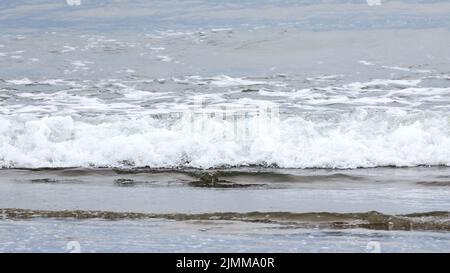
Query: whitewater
[(350, 140), (224, 121)]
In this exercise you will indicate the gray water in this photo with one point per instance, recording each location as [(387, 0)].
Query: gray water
[(328, 119), (46, 235)]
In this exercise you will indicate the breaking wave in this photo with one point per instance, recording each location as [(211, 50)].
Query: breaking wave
[(338, 140)]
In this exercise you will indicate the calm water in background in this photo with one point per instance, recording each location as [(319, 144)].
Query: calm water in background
[(96, 114)]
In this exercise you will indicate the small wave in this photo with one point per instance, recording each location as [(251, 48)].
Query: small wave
[(432, 221)]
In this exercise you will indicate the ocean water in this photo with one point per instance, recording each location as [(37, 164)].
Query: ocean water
[(184, 111)]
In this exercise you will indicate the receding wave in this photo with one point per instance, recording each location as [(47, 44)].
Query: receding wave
[(348, 140), (435, 221)]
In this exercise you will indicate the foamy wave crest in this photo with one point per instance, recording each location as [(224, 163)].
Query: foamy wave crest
[(347, 140)]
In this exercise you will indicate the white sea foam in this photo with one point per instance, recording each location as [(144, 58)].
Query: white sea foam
[(157, 48), (324, 78), (222, 81), (358, 139), (164, 58), (406, 69), (382, 82), (138, 94), (20, 81), (363, 62), (79, 63), (221, 29), (67, 48), (73, 2)]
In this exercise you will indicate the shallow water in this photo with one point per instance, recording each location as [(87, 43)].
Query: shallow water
[(386, 190), (45, 235), (240, 210), (190, 108)]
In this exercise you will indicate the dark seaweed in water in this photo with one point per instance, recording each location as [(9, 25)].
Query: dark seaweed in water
[(45, 180), (54, 181), (124, 182), (212, 180), (435, 183)]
